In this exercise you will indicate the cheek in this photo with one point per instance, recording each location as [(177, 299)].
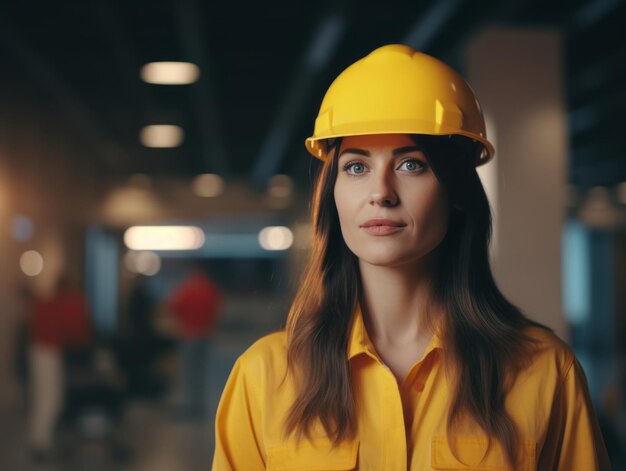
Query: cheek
[(438, 215), (346, 205), (342, 202), (431, 212)]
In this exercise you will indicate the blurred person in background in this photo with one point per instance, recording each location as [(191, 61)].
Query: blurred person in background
[(26, 298), (194, 305), (59, 326), (400, 351), (141, 344)]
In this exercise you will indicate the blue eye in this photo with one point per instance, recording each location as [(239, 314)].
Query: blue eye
[(412, 165), (354, 168)]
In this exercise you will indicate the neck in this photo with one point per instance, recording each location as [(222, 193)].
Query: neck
[(397, 302)]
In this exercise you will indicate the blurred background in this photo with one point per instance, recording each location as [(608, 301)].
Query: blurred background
[(154, 198)]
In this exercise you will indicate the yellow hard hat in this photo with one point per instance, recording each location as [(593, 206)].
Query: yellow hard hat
[(398, 90)]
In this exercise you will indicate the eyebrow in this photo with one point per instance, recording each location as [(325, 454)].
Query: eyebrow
[(396, 152)]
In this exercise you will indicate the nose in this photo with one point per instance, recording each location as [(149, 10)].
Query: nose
[(383, 192)]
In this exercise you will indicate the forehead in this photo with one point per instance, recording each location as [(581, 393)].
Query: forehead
[(377, 142)]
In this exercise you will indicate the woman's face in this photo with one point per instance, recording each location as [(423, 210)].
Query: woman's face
[(392, 209)]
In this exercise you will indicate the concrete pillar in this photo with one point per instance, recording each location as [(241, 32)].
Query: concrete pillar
[(517, 75)]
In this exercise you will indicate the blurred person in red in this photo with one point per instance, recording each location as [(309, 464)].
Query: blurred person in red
[(195, 305), (59, 326)]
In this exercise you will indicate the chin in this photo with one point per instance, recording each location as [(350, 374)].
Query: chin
[(386, 258), (393, 255)]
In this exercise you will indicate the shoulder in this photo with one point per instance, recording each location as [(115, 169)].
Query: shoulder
[(261, 372), (269, 345), (552, 358), (542, 375), (268, 355), (550, 345)]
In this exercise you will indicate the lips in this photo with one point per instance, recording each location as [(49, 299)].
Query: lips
[(382, 227)]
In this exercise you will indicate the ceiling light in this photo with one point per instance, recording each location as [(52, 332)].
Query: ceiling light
[(164, 238), (170, 73), (162, 135)]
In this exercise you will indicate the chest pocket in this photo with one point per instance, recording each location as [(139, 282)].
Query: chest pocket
[(470, 455), (316, 455)]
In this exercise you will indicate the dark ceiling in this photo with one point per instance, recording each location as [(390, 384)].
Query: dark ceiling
[(70, 74)]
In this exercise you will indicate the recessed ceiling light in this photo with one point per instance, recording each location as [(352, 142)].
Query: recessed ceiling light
[(162, 135), (170, 73)]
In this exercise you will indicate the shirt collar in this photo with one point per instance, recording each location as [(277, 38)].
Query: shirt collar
[(359, 341)]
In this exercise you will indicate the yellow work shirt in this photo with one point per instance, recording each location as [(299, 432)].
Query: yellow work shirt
[(403, 427)]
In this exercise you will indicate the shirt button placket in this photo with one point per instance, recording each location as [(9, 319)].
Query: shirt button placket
[(394, 435)]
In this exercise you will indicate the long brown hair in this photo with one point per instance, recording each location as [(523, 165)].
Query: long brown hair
[(482, 332)]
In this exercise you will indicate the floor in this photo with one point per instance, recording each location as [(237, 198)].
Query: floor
[(150, 437)]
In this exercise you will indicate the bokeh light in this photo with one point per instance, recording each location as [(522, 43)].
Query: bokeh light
[(170, 73), (164, 238), (208, 185), (275, 238), (143, 262), (31, 263), (162, 136)]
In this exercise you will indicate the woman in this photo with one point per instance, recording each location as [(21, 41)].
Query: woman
[(400, 352)]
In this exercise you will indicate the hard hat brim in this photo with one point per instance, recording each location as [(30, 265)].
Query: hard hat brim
[(313, 144)]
